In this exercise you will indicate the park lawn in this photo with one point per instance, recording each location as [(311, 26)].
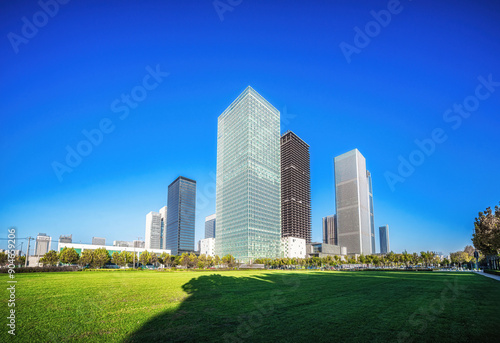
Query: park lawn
[(253, 306)]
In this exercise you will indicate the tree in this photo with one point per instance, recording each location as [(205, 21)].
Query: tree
[(185, 259), (117, 258), (362, 259), (19, 260), (469, 249), (154, 259), (86, 258), (202, 261), (68, 255), (216, 260), (145, 258), (486, 237), (100, 258), (210, 261), (3, 258), (193, 260), (164, 258), (460, 257), (50, 258), (127, 257), (445, 262), (228, 260)]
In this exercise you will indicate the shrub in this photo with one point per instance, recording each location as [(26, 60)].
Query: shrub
[(42, 269)]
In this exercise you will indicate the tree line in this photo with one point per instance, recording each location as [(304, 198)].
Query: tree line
[(425, 258), (98, 258), (18, 260)]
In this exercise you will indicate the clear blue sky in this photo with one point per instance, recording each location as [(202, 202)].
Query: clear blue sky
[(65, 77)]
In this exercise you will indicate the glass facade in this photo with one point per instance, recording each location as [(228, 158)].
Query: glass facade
[(384, 239), (248, 207), (210, 226), (181, 215)]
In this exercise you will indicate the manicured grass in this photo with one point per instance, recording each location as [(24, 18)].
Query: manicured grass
[(254, 306)]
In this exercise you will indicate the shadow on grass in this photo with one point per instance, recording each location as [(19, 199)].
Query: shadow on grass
[(314, 307)]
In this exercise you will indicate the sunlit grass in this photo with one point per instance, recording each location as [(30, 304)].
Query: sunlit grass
[(295, 306)]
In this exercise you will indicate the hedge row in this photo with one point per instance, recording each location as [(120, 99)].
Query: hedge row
[(42, 269)]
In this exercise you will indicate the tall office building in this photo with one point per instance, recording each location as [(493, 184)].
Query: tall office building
[(248, 206), (372, 221), (156, 226), (352, 202), (210, 226), (98, 241), (295, 187), (181, 215), (66, 239), (42, 244), (153, 230), (163, 227), (330, 235), (384, 239)]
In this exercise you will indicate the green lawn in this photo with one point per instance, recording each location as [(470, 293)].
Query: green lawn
[(254, 306)]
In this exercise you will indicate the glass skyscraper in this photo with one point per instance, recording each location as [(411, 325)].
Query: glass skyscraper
[(384, 239), (354, 203), (181, 215), (248, 207), (210, 226)]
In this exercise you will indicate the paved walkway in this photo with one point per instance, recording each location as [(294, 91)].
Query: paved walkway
[(496, 277)]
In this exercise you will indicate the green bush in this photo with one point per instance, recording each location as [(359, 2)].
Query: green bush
[(42, 269)]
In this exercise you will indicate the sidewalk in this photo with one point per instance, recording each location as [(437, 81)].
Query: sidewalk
[(496, 277)]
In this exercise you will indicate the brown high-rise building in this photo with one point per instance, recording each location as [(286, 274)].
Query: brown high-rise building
[(295, 187), (330, 235)]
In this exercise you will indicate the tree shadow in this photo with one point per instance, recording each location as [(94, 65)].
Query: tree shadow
[(301, 307)]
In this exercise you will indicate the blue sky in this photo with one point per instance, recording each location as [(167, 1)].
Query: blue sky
[(400, 85)]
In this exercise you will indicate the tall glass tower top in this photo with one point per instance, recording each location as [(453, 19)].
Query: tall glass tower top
[(248, 207)]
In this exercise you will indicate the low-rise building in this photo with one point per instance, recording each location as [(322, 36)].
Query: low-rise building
[(323, 250), (98, 241), (207, 247), (293, 247)]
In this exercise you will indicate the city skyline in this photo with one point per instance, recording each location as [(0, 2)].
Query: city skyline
[(394, 101)]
